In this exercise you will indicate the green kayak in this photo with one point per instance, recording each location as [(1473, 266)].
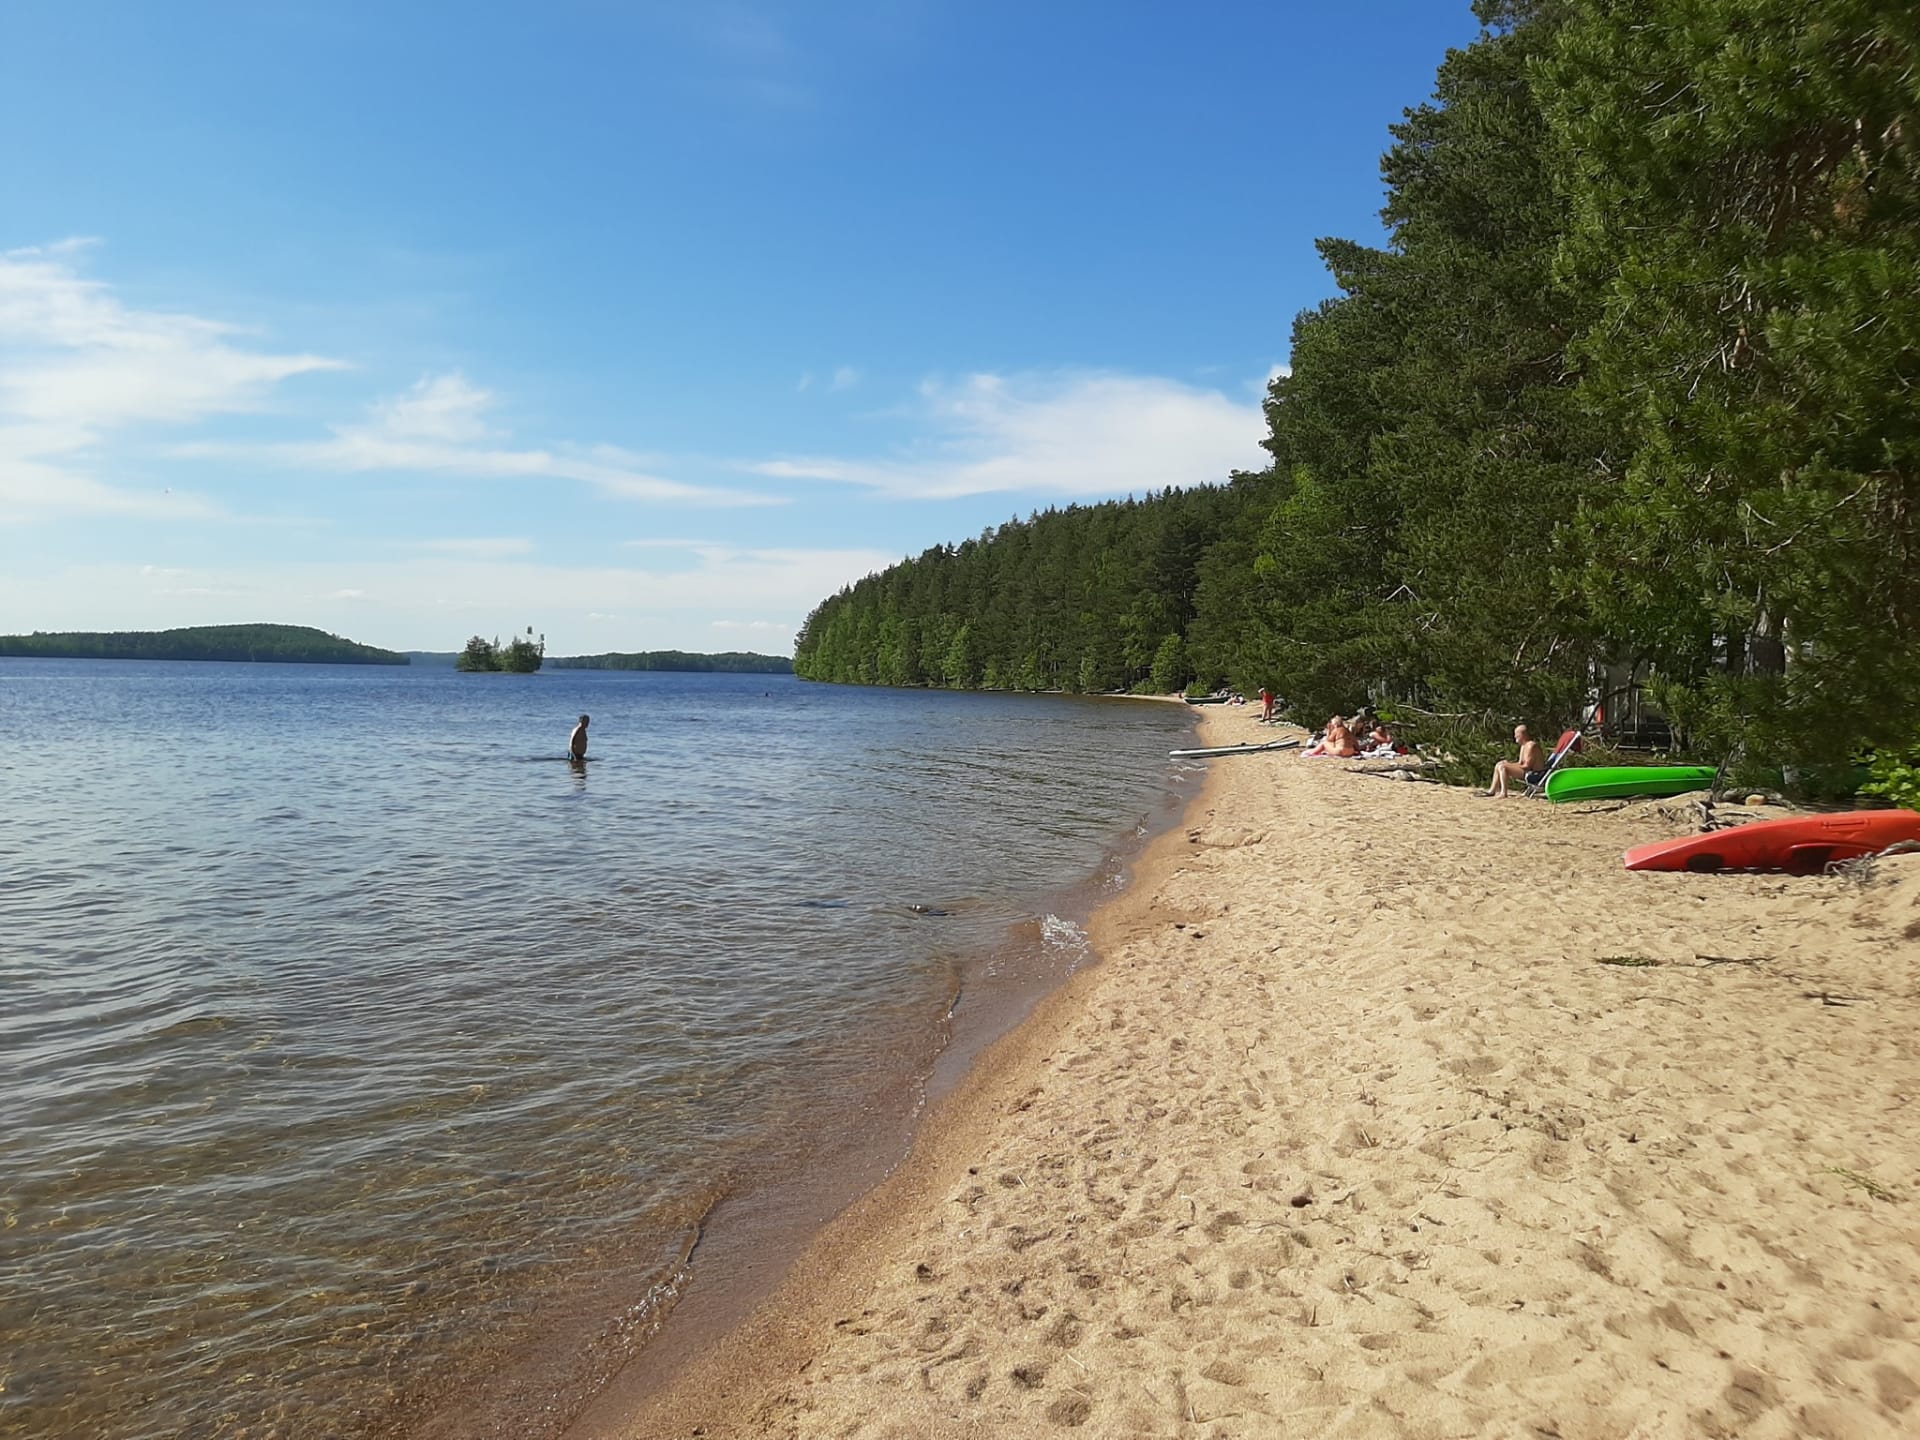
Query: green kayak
[(1614, 782)]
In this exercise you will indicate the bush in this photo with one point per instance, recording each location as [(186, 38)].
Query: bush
[(1895, 776)]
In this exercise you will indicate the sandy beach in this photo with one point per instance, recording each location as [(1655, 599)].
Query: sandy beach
[(1393, 1112)]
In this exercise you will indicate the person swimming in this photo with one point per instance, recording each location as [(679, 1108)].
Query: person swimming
[(577, 742)]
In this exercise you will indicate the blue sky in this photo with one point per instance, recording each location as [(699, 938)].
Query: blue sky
[(647, 325)]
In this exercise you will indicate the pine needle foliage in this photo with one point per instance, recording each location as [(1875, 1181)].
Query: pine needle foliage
[(1630, 387)]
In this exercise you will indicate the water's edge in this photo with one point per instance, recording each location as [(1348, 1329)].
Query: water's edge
[(598, 1351)]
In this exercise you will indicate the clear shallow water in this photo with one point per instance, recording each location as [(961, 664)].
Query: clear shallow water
[(345, 1029)]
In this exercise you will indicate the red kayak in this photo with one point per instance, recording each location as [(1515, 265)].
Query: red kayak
[(1802, 845)]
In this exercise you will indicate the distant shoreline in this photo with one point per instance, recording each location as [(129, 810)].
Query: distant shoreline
[(725, 662), (245, 644), (303, 645)]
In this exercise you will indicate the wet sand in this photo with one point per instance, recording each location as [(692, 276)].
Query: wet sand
[(1363, 1128)]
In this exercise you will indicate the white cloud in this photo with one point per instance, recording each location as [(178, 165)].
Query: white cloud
[(78, 365), (1098, 434), (438, 407), (845, 378), (750, 625), (202, 592), (664, 543), (440, 426), (484, 548)]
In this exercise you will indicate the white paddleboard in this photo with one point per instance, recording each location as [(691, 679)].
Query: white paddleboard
[(1231, 750)]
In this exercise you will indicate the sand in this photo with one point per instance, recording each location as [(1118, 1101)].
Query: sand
[(1355, 1133)]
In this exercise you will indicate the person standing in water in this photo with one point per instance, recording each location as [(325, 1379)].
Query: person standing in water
[(577, 742)]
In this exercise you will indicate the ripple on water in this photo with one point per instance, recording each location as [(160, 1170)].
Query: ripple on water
[(336, 1042)]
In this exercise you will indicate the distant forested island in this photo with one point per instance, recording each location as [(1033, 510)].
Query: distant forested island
[(271, 644), (1623, 407), (521, 655), (731, 662)]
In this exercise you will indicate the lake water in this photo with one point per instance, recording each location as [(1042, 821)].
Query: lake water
[(369, 1069)]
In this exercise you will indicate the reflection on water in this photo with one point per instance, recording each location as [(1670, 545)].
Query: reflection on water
[(337, 1035)]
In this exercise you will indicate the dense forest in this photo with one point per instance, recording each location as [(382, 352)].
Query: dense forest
[(1628, 392), (731, 662), (283, 644)]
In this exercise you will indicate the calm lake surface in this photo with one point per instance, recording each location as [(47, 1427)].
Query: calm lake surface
[(353, 1044)]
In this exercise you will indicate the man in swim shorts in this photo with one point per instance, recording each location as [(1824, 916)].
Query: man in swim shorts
[(1529, 771), (577, 742)]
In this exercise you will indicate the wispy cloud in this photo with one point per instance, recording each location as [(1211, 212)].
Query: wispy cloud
[(845, 378), (479, 548), (443, 426), (439, 407), (662, 542), (757, 61), (1076, 434), (78, 365)]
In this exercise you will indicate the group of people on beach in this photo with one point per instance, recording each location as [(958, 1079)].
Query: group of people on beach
[(1363, 737)]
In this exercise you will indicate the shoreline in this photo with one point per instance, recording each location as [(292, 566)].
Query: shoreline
[(600, 1348), (1391, 1112), (701, 1394), (672, 1366)]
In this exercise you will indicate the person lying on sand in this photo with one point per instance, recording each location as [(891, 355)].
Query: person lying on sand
[(1530, 770)]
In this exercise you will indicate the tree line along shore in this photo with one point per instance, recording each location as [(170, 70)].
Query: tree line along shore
[(1623, 407), (302, 644), (283, 644)]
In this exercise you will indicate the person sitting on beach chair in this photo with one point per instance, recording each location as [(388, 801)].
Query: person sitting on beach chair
[(1567, 744), (1528, 770)]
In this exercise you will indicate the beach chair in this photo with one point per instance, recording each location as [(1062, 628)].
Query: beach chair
[(1569, 742)]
